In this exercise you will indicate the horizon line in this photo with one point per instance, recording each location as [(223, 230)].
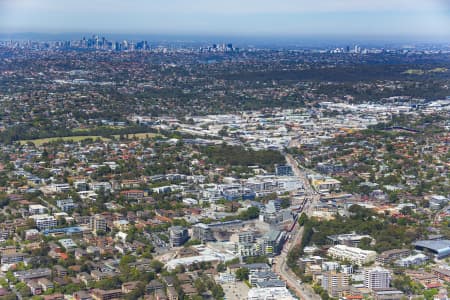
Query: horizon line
[(394, 38)]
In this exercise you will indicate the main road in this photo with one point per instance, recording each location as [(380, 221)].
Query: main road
[(311, 196)]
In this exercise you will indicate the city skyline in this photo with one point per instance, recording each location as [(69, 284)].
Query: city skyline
[(389, 19), (201, 149)]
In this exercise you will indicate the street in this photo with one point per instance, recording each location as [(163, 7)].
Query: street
[(301, 290)]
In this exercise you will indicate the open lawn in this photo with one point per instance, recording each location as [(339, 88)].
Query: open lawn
[(414, 72), (97, 127), (140, 136), (422, 72), (39, 142), (77, 138), (438, 70)]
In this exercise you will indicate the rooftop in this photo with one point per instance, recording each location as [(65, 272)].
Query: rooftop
[(434, 245)]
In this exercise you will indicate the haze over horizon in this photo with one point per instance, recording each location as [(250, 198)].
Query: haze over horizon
[(383, 18)]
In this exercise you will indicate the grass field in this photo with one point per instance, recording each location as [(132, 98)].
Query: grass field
[(97, 127), (139, 136), (422, 72), (414, 72), (438, 70), (39, 142), (77, 138)]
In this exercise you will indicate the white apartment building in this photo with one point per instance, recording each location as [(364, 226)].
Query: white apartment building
[(97, 223), (58, 188), (98, 186), (44, 221), (352, 254), (37, 209), (248, 249), (273, 293), (377, 278), (269, 183)]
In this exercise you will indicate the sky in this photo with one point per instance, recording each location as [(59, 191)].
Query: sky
[(388, 18)]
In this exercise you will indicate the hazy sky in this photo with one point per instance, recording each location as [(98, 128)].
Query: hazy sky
[(424, 18)]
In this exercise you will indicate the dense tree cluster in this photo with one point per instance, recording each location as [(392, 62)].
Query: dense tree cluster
[(239, 156)]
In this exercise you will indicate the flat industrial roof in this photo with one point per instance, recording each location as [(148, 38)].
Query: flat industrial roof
[(435, 245), (440, 247)]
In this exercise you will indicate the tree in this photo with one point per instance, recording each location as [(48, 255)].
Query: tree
[(285, 202), (365, 243), (256, 259), (251, 213), (221, 267), (124, 261), (192, 242), (156, 265), (200, 285), (217, 291), (242, 274), (71, 288), (108, 284), (223, 131), (23, 289), (303, 218), (429, 294), (10, 296), (404, 284), (138, 292), (407, 210)]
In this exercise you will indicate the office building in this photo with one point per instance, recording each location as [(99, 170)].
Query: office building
[(246, 237), (351, 239), (265, 276), (202, 232), (272, 243), (283, 170), (274, 205), (245, 244), (257, 267)]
